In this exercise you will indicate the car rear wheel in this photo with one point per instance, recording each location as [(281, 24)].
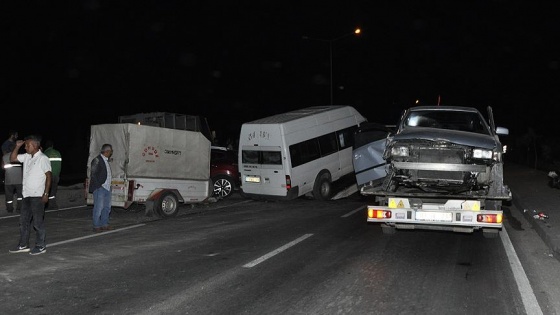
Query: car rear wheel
[(223, 187)]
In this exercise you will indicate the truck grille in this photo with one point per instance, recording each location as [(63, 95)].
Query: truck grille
[(441, 155)]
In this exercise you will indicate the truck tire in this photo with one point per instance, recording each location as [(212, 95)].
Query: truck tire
[(323, 187), (167, 205)]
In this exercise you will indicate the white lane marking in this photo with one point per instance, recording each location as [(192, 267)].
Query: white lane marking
[(276, 251), (527, 295), (68, 208), (61, 209), (352, 212), (95, 235)]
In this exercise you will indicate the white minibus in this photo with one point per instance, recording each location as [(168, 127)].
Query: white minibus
[(297, 153)]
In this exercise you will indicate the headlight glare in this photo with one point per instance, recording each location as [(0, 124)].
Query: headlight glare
[(399, 151), (482, 154)]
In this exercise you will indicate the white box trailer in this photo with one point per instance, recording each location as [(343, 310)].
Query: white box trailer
[(154, 166), (297, 153)]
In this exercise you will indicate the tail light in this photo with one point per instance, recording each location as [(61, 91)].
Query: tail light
[(379, 214), (288, 182), (489, 218)]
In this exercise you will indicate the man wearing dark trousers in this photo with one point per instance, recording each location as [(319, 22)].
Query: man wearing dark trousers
[(36, 186), (100, 186)]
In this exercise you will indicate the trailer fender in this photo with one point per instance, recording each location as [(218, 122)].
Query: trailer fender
[(157, 193)]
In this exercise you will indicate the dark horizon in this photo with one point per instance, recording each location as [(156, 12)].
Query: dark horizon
[(70, 65)]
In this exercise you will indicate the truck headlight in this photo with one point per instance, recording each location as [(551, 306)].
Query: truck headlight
[(399, 151), (482, 154)]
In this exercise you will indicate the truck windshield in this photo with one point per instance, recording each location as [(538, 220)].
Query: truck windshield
[(452, 120)]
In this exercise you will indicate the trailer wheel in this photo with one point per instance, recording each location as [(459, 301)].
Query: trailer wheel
[(388, 230), (323, 187), (167, 205)]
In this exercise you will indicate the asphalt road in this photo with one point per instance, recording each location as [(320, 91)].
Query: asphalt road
[(238, 256)]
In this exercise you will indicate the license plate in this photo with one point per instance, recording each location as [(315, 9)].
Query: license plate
[(434, 216), (253, 179)]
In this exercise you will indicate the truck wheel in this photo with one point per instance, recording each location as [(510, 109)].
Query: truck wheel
[(490, 233), (223, 187), (167, 205), (388, 230), (323, 187)]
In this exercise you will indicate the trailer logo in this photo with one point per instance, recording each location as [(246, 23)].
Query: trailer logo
[(150, 152)]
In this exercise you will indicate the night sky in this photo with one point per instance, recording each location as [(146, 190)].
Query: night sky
[(69, 64)]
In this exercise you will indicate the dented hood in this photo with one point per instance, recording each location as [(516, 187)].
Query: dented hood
[(453, 136)]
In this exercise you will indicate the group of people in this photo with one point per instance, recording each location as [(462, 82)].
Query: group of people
[(33, 178), (13, 174)]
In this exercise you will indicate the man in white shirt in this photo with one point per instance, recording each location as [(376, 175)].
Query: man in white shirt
[(36, 185)]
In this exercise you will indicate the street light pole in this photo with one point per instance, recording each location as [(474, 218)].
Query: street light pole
[(357, 31), (330, 56)]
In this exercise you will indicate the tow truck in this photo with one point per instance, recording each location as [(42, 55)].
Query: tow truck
[(441, 169)]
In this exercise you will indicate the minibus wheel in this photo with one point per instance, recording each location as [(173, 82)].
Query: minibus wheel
[(323, 187)]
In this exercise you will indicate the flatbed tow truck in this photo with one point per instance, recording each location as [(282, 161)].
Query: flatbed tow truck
[(443, 171)]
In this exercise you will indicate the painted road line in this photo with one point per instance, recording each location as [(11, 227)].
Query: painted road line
[(353, 211), (67, 208), (95, 235), (276, 251), (46, 211), (527, 295)]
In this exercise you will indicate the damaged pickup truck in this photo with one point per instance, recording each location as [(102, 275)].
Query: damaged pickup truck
[(443, 170)]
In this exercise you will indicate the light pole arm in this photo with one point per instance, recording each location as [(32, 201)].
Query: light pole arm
[(355, 32), (331, 41)]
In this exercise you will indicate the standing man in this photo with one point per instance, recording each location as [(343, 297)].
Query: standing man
[(56, 165), (36, 186), (12, 182), (100, 185), (10, 143)]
